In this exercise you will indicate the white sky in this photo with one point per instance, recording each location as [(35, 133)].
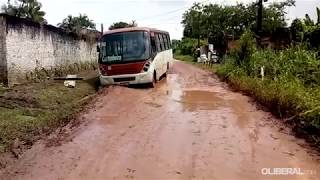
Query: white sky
[(161, 14)]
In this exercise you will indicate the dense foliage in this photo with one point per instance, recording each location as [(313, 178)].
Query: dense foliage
[(307, 31), (76, 24), (212, 19), (29, 9), (121, 24), (291, 83), (218, 23)]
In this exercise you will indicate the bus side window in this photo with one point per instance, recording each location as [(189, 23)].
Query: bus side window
[(167, 36), (163, 45), (153, 45), (158, 43), (165, 41), (169, 42)]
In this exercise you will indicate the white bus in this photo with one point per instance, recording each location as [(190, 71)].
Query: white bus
[(134, 56)]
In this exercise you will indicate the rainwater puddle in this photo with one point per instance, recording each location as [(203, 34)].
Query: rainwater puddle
[(194, 100)]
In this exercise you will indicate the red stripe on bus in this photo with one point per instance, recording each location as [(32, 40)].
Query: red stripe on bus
[(118, 69)]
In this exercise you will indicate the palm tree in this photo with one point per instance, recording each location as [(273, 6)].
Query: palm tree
[(29, 9), (32, 11), (76, 24)]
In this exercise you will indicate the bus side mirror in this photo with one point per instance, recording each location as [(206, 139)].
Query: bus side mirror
[(98, 49)]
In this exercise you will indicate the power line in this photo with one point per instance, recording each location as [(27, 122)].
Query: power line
[(168, 12), (166, 18), (162, 23)]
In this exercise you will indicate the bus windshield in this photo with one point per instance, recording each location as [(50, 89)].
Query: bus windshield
[(126, 46)]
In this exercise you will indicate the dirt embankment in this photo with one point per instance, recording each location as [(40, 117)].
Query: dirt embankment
[(29, 111)]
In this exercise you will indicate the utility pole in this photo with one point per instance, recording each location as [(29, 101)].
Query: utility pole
[(102, 29), (259, 21), (199, 29)]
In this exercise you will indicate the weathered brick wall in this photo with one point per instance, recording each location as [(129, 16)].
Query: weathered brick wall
[(31, 48)]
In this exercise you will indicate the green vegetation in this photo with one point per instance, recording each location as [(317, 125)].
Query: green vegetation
[(186, 58), (2, 90), (216, 23), (76, 24), (121, 24), (290, 86), (186, 48), (27, 111), (29, 9), (42, 74), (306, 31)]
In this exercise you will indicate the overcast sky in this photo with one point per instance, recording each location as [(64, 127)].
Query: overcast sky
[(161, 14)]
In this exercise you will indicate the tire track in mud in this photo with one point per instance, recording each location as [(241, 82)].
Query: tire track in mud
[(191, 126)]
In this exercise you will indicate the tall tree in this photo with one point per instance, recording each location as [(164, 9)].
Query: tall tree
[(76, 24), (121, 24), (297, 30), (232, 20), (29, 9)]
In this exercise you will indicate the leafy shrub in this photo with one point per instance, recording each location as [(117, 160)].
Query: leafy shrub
[(247, 47), (188, 46), (292, 63), (291, 87), (313, 36)]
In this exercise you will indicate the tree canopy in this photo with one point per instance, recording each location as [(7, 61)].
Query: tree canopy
[(297, 30), (233, 20), (311, 30), (121, 24), (29, 9), (216, 22), (76, 24)]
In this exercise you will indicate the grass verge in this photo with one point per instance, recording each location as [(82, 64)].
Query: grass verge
[(186, 58), (292, 102), (29, 110)]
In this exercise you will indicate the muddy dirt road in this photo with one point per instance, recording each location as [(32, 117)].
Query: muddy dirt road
[(191, 126)]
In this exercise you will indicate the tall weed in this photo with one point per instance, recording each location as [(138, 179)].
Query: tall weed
[(291, 84)]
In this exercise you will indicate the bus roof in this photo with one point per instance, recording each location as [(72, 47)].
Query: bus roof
[(134, 29)]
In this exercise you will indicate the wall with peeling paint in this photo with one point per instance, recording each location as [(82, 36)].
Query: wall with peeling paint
[(30, 47)]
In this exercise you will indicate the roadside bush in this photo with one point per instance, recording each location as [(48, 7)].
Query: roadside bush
[(291, 85), (247, 47), (292, 63), (312, 36), (188, 46)]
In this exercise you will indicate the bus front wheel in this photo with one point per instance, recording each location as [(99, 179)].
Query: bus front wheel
[(154, 80), (166, 73)]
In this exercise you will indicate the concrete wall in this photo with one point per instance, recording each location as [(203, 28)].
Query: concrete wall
[(30, 48), (3, 60)]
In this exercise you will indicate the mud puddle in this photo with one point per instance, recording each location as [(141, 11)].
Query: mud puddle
[(188, 127)]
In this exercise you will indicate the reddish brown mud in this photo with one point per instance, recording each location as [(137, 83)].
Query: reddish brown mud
[(191, 126)]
